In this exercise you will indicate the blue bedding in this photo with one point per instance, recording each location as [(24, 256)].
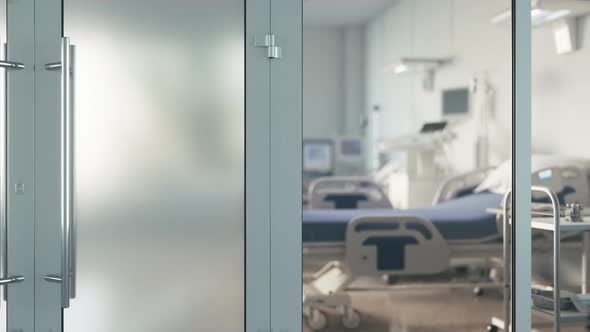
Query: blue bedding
[(463, 218)]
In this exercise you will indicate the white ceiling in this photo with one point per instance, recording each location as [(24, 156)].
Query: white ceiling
[(342, 12)]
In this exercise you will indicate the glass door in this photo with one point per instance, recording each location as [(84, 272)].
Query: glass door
[(142, 178)]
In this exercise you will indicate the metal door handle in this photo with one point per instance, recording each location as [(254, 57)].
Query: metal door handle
[(4, 278), (66, 169), (66, 172)]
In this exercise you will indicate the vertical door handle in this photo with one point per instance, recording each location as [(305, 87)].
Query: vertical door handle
[(66, 169), (66, 172), (5, 279)]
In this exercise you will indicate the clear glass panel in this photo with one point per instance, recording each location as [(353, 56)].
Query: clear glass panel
[(407, 112), (159, 104), (560, 162)]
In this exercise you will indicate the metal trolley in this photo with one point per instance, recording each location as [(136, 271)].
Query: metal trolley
[(548, 222)]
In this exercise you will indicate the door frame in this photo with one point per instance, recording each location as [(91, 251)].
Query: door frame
[(521, 165), (18, 242), (273, 124)]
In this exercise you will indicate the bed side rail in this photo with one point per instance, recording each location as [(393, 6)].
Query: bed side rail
[(400, 245)]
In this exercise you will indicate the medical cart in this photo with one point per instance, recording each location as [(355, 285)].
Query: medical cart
[(579, 310)]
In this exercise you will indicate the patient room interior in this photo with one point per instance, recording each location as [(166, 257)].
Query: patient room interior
[(407, 144)]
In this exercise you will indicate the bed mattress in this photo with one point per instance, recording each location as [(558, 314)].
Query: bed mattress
[(463, 218)]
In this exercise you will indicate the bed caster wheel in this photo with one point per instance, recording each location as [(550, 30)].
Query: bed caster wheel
[(478, 291), (492, 328), (391, 279), (350, 318), (316, 320)]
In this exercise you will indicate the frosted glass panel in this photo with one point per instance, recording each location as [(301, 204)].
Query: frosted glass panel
[(159, 104)]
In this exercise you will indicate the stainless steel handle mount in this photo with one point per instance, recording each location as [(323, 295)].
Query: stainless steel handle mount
[(11, 279), (53, 278), (11, 65), (53, 66)]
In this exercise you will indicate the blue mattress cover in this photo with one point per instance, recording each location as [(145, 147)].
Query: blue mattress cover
[(463, 218)]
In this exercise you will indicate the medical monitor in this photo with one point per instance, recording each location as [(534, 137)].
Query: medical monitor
[(455, 102), (318, 156), (350, 149)]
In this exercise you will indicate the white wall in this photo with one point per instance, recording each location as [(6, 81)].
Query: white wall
[(323, 86), (354, 79), (561, 95), (462, 29), (334, 89), (437, 28)]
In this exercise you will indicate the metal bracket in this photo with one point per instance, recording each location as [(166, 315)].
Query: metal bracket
[(273, 51), (52, 278), (11, 65), (53, 66)]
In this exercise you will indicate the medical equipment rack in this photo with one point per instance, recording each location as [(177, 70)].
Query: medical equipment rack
[(556, 226)]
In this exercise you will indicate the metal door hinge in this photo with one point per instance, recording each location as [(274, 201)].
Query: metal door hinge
[(273, 51)]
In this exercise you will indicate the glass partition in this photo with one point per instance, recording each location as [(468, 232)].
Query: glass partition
[(406, 159), (560, 164)]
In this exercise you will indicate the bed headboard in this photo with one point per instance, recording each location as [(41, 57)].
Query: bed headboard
[(570, 183), (452, 186), (342, 192)]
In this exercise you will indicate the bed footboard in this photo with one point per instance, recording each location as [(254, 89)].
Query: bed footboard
[(400, 245)]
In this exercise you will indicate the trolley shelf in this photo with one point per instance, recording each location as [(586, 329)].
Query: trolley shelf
[(567, 316), (546, 223)]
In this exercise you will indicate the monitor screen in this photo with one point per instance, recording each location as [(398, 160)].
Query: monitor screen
[(351, 148), (455, 101), (318, 156), (430, 127)]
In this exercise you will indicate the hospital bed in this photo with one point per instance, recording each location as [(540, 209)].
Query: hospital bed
[(352, 192), (374, 242)]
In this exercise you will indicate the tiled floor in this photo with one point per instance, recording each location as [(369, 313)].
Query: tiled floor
[(428, 309)]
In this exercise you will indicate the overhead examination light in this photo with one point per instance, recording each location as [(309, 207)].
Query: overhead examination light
[(539, 16), (416, 64), (425, 66), (559, 14), (548, 11)]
